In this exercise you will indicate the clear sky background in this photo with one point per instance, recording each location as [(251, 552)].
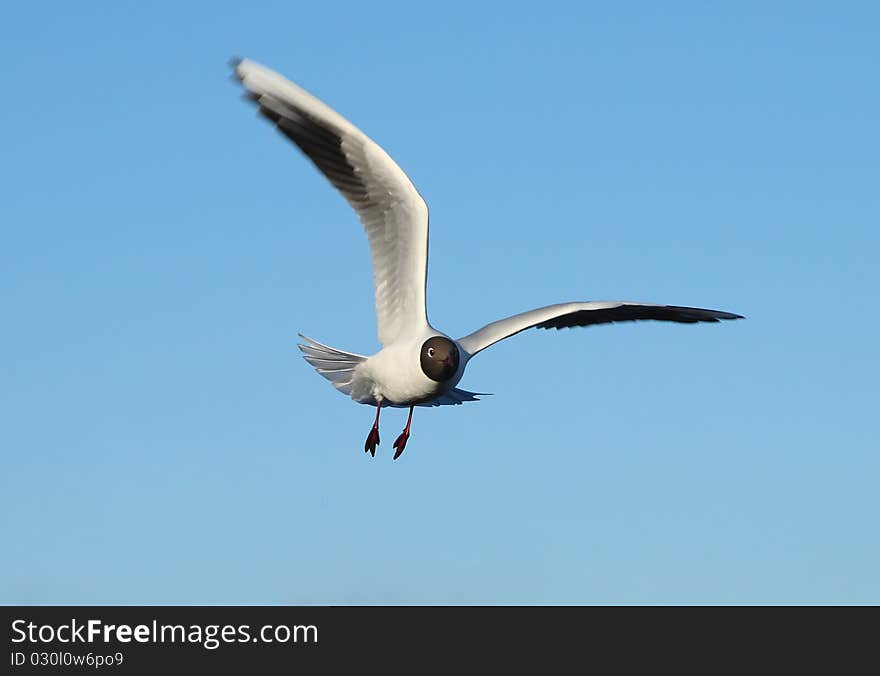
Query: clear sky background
[(162, 440)]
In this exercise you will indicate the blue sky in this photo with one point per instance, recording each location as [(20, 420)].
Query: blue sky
[(160, 248)]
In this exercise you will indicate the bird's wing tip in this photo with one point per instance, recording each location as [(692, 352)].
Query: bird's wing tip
[(235, 63)]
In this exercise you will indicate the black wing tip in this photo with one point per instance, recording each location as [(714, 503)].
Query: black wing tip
[(703, 314), (626, 313)]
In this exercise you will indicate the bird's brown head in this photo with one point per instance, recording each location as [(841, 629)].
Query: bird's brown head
[(439, 358)]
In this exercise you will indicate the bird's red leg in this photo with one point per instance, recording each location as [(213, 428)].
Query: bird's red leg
[(400, 443), (373, 436)]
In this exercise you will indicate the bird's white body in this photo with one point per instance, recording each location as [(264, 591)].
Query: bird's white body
[(408, 370), (394, 377)]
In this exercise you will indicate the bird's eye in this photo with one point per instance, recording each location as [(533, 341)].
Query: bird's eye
[(431, 352)]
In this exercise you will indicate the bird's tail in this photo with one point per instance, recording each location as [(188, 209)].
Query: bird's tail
[(335, 365)]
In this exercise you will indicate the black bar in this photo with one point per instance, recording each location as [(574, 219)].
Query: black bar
[(264, 639)]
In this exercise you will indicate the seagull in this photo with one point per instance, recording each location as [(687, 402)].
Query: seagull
[(417, 365)]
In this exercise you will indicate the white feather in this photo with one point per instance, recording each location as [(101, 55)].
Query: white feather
[(393, 213)]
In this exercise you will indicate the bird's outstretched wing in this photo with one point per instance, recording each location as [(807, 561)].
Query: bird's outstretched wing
[(393, 213), (565, 315)]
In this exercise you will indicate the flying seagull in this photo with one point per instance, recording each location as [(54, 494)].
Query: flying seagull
[(417, 365)]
